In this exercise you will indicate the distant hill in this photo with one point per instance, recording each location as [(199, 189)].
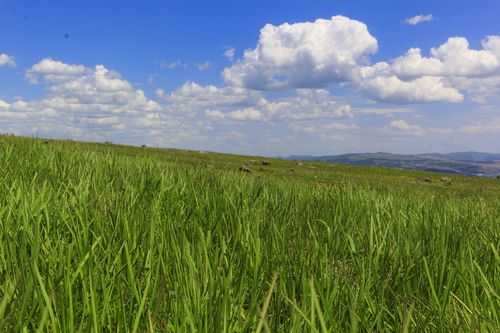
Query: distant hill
[(466, 163), (466, 157)]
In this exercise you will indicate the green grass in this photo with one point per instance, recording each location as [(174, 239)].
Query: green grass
[(97, 238)]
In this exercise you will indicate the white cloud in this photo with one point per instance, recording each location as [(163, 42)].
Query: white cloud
[(230, 53), (426, 89), (6, 60), (160, 93), (419, 19), (329, 126), (482, 128), (48, 67), (94, 103), (380, 82), (173, 65), (151, 79), (194, 97), (307, 104), (241, 104), (204, 66), (303, 55), (403, 125), (246, 114), (324, 131), (407, 128), (451, 59), (324, 52), (214, 114), (55, 71), (412, 64), (4, 106), (480, 90), (459, 60), (492, 44), (451, 70), (381, 111)]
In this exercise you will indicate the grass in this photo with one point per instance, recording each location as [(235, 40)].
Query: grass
[(97, 238)]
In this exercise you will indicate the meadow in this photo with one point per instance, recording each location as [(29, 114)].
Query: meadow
[(102, 237)]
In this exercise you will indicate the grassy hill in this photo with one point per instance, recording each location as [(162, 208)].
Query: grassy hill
[(100, 237)]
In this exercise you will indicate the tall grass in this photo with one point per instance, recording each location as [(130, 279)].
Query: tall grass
[(94, 242)]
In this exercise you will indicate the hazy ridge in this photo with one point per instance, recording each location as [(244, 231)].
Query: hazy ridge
[(465, 163)]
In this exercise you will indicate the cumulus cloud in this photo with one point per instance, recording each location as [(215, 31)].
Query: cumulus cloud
[(380, 82), (89, 89), (382, 111), (451, 59), (172, 64), (230, 53), (92, 103), (246, 114), (492, 44), (458, 59), (403, 125), (307, 104), (481, 128), (4, 106), (323, 128), (450, 70), (97, 103), (204, 66), (235, 103), (326, 131), (426, 89), (53, 70), (480, 90), (214, 114), (303, 55), (412, 64), (6, 60), (192, 97), (327, 52), (419, 19)]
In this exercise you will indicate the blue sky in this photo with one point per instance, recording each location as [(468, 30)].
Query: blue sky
[(337, 78)]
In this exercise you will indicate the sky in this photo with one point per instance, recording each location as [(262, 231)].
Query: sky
[(271, 78)]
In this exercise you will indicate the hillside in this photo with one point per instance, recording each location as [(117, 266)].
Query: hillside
[(466, 163), (102, 237)]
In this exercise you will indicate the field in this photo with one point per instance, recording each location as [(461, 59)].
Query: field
[(101, 237)]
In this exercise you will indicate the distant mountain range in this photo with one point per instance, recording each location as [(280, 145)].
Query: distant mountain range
[(465, 163)]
